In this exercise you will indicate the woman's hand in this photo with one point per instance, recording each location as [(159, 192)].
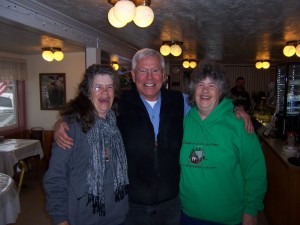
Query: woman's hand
[(60, 135), (240, 113)]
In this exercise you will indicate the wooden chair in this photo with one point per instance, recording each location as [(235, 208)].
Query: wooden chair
[(22, 167), (36, 133)]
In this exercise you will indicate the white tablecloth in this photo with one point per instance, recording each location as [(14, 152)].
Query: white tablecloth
[(9, 200), (13, 150)]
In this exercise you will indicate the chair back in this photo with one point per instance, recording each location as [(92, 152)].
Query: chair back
[(38, 134)]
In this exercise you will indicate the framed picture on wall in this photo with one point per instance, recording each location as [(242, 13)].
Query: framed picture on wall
[(52, 90)]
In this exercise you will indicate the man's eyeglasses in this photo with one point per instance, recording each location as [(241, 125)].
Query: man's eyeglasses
[(144, 72), (101, 87)]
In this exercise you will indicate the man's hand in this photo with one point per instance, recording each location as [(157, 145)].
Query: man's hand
[(249, 220), (64, 223), (240, 113), (60, 135)]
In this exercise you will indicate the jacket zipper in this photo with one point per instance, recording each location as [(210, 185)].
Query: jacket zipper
[(156, 167)]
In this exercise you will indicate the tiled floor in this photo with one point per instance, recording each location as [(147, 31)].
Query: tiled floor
[(32, 198)]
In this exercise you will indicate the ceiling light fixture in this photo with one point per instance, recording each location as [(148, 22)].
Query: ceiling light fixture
[(125, 11), (264, 64), (291, 48), (186, 63), (192, 63), (173, 47), (115, 65), (165, 49), (51, 53), (144, 14)]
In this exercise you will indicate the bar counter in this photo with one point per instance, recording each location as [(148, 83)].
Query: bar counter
[(282, 200)]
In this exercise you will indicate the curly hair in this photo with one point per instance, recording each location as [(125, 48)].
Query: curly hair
[(213, 71), (81, 108)]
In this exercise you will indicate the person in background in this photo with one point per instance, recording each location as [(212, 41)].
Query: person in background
[(89, 184), (150, 118), (240, 96), (223, 173)]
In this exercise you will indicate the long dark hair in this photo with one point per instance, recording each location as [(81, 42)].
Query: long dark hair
[(81, 108)]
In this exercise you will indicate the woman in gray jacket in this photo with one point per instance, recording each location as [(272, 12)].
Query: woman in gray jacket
[(89, 184)]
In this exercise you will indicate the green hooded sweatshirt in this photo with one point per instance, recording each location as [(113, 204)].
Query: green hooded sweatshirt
[(223, 173)]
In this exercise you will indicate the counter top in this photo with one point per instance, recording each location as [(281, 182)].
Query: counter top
[(277, 145), (282, 199)]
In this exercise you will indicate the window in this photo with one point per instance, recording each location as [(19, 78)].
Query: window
[(13, 73), (12, 106), (8, 107)]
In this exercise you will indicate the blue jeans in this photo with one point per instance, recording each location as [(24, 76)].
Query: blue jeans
[(187, 220), (166, 213)]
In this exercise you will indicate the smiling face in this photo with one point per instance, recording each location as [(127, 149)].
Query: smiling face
[(102, 94), (207, 95), (148, 77)]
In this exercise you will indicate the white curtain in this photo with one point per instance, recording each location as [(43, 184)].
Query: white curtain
[(13, 69)]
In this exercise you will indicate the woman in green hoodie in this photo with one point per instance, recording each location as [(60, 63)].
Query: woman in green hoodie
[(223, 174)]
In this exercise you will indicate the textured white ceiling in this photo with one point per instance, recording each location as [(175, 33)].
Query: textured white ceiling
[(235, 31)]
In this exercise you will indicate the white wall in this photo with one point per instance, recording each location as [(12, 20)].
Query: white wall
[(73, 65)]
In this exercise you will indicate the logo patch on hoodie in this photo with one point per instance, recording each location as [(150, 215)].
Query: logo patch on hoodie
[(197, 155)]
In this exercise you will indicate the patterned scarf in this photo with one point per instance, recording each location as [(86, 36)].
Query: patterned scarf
[(105, 134)]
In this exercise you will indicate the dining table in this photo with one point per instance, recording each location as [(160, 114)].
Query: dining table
[(12, 151), (9, 200)]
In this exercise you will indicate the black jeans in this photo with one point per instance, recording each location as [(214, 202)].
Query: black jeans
[(166, 213)]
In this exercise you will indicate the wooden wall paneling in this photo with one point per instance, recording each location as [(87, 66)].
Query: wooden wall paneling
[(277, 196), (282, 199)]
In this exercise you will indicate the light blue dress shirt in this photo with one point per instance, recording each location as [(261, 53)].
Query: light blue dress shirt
[(155, 111)]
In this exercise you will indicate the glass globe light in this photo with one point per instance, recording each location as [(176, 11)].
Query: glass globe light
[(193, 64), (115, 66), (165, 50), (258, 65), (124, 11), (266, 65), (58, 55), (176, 50), (48, 55), (298, 50), (289, 50), (144, 16), (113, 20), (186, 64)]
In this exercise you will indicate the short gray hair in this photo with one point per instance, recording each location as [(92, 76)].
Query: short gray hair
[(212, 70), (147, 52)]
